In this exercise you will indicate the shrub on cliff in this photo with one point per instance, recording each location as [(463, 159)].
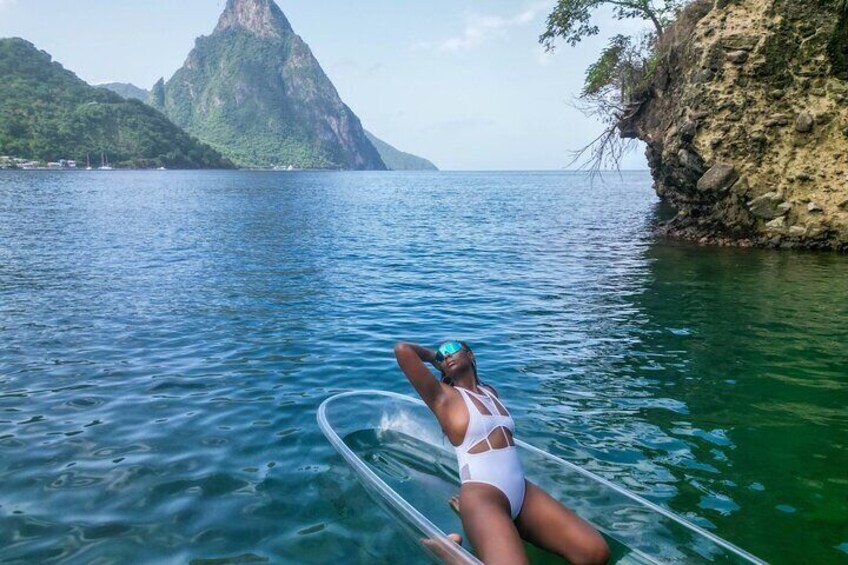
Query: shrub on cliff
[(618, 82)]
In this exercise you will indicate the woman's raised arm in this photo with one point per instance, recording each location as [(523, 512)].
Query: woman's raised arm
[(411, 358)]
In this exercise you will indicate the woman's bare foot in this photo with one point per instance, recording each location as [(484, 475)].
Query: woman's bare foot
[(455, 538), (437, 548)]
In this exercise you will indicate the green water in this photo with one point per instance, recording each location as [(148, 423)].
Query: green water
[(761, 347)]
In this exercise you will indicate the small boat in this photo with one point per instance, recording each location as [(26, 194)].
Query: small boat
[(104, 163), (88, 162), (400, 455)]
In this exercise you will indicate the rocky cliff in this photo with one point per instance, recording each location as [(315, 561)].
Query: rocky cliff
[(746, 123), (254, 91)]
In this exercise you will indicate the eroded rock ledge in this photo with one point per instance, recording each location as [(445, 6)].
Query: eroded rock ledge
[(746, 123)]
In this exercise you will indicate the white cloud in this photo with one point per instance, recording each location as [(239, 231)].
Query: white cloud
[(481, 28)]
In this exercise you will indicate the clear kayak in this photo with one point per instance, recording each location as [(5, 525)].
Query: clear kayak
[(394, 444)]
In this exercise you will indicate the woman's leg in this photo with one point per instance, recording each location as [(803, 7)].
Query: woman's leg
[(544, 522), (486, 519)]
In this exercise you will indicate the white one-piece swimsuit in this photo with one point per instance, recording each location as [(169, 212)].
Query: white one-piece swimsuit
[(500, 468)]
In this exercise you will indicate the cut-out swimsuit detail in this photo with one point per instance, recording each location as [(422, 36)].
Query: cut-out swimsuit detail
[(487, 454)]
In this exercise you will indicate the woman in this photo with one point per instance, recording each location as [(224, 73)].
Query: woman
[(497, 505)]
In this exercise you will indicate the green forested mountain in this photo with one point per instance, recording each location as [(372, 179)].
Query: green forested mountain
[(126, 90), (47, 113), (254, 91), (397, 160)]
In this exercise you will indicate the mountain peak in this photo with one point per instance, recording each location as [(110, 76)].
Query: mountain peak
[(261, 17)]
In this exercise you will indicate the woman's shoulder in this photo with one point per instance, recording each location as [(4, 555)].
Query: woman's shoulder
[(490, 388)]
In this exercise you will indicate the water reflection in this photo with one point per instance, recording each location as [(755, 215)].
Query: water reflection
[(722, 388)]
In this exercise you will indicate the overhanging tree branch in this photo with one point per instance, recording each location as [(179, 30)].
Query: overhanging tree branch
[(618, 83)]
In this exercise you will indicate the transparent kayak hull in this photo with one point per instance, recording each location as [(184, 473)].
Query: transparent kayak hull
[(403, 459)]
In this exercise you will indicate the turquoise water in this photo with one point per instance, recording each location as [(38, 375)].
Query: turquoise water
[(166, 337)]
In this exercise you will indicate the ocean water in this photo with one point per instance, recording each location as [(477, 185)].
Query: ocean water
[(166, 338)]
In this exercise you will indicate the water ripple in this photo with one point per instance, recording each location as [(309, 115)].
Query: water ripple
[(165, 340)]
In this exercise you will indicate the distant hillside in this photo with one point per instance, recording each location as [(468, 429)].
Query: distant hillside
[(254, 91), (127, 90), (47, 113), (397, 160), (394, 159)]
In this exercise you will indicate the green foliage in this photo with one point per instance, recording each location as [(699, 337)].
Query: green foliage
[(47, 113), (627, 64), (607, 70), (571, 20)]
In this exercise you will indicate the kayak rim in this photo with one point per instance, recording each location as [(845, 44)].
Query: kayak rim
[(393, 498), (433, 531)]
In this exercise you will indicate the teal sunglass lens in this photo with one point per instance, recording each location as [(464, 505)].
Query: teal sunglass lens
[(450, 348)]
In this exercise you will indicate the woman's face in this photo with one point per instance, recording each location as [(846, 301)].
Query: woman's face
[(458, 362)]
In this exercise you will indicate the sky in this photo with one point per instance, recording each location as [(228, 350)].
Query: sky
[(463, 83)]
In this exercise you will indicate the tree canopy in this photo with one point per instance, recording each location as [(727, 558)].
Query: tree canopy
[(571, 20)]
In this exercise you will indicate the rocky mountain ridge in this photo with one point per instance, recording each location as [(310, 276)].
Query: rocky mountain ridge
[(746, 123), (263, 18)]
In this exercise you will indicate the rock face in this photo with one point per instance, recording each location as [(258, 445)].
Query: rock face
[(746, 123), (254, 91), (265, 19)]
